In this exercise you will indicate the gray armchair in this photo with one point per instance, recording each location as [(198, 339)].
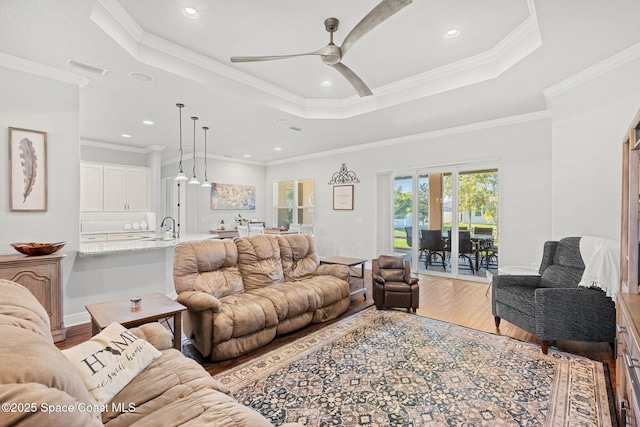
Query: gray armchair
[(552, 306)]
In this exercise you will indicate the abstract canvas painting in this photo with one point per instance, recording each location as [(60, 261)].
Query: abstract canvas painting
[(233, 196), (27, 170)]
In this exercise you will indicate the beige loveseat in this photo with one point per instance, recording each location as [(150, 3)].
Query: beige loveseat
[(40, 387), (240, 294)]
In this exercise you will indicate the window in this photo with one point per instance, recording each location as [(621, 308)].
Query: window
[(293, 201)]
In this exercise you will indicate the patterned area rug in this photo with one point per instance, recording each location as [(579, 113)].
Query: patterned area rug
[(389, 368)]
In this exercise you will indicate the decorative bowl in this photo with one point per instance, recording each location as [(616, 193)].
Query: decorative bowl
[(35, 249)]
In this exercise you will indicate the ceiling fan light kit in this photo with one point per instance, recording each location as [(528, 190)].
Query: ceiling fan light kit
[(332, 55)]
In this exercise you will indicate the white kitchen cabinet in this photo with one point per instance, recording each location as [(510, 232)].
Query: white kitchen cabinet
[(138, 189), (91, 187), (126, 188)]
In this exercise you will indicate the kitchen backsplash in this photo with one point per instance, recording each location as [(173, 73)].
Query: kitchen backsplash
[(113, 222)]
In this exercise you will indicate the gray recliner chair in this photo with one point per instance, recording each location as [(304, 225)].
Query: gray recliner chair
[(552, 306)]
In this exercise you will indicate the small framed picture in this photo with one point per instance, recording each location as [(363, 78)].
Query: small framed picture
[(343, 197), (27, 170)]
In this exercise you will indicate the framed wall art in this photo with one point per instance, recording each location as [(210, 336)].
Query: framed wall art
[(343, 197), (27, 170), (233, 196)]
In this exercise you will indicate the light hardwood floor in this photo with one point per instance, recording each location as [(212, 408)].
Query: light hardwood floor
[(456, 301)]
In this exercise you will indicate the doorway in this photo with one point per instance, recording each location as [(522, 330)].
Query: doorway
[(446, 220)]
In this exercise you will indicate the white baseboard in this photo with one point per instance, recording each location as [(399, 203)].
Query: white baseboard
[(76, 319)]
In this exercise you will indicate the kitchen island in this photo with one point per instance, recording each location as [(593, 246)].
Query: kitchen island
[(144, 244), (112, 270)]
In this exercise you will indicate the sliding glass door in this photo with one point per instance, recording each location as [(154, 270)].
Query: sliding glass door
[(446, 220)]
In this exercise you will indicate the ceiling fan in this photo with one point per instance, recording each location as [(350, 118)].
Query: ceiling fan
[(331, 54)]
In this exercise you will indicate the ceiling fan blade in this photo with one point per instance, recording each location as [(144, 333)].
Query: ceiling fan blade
[(356, 82), (378, 14), (322, 51)]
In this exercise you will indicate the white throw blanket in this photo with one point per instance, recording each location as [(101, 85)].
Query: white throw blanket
[(602, 264)]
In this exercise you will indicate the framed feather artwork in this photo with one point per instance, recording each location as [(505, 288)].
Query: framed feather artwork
[(27, 170)]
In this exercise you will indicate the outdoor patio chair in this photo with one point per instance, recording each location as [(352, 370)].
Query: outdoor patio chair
[(465, 249), (432, 244), (409, 231)]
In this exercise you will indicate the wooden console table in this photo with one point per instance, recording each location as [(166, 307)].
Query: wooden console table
[(42, 275)]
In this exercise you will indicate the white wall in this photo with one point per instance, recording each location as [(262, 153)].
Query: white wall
[(200, 217), (589, 122), (38, 103), (44, 104), (524, 153)]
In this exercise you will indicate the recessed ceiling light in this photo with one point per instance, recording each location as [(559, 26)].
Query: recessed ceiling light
[(452, 33), (246, 156), (126, 135), (190, 13), (141, 77), (326, 83), (147, 122), (295, 128), (282, 120), (278, 149)]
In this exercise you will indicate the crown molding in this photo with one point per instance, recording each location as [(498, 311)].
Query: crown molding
[(630, 54), (473, 127), (116, 147), (152, 50), (42, 70), (152, 148), (176, 159)]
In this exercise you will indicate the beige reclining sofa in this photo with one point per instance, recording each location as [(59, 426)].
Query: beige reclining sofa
[(241, 293), (39, 386)]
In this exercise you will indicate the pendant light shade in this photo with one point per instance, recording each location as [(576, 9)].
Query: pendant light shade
[(194, 180), (206, 183), (180, 176)]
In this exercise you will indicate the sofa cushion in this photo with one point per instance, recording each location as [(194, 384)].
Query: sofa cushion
[(209, 266), (259, 261), (20, 309), (288, 299), (109, 360), (41, 370), (299, 257), (19, 395), (243, 314)]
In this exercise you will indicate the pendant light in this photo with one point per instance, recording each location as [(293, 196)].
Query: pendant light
[(206, 182), (181, 176), (194, 180)]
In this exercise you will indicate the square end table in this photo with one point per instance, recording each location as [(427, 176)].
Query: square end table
[(154, 307), (356, 278)]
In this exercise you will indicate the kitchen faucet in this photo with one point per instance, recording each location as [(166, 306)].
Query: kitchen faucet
[(174, 235)]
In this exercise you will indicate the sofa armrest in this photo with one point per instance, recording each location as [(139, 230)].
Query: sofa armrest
[(155, 334), (197, 301), (505, 280), (339, 271), (378, 279)]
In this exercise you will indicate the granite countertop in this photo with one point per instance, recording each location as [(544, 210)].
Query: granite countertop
[(105, 248), (91, 233)]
